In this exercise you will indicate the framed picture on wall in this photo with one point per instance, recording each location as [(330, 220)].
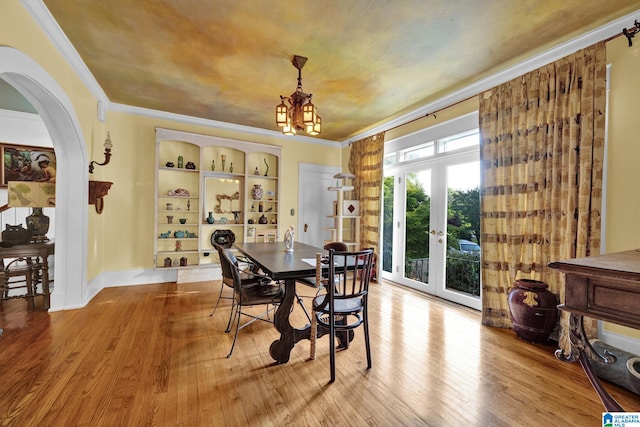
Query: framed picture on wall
[(25, 163)]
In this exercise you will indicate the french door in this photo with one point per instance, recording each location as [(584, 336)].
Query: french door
[(431, 227)]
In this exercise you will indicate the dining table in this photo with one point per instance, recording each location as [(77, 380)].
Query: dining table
[(285, 266)]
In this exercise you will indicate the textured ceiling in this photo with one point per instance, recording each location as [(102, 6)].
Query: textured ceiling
[(368, 59)]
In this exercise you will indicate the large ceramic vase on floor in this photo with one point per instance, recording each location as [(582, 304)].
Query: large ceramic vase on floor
[(533, 310)]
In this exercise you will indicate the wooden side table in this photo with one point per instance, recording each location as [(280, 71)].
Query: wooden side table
[(39, 254), (604, 287)]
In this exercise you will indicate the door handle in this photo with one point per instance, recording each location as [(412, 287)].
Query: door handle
[(306, 227)]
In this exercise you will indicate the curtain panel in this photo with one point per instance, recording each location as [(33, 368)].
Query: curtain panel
[(542, 147), (365, 162)]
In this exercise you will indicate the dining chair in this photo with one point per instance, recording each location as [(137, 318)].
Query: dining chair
[(251, 291), (316, 281), (246, 276), (343, 307), (18, 273)]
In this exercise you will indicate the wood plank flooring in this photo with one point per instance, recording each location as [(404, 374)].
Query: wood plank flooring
[(152, 355)]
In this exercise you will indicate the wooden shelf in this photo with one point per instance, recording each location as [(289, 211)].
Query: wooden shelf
[(211, 191)]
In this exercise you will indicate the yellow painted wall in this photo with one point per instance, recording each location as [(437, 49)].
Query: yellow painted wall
[(18, 30), (623, 174), (129, 205)]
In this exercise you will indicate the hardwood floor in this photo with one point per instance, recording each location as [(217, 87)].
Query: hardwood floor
[(151, 355)]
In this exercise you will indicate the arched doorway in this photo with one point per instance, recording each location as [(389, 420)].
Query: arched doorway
[(57, 112)]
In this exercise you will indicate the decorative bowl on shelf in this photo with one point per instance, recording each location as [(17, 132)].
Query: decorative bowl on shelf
[(183, 220)]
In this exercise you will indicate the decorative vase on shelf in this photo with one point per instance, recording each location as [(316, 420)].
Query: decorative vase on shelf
[(257, 192), (210, 219), (262, 220), (533, 311)]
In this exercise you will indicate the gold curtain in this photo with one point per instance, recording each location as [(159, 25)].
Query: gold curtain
[(365, 162), (542, 147)]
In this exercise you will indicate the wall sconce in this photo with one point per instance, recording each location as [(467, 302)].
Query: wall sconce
[(99, 189), (107, 154)]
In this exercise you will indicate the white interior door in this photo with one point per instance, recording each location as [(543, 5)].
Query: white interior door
[(315, 202)]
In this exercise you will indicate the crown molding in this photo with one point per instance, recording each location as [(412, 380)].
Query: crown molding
[(214, 124), (604, 32), (52, 30)]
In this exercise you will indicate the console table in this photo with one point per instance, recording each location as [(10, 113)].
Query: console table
[(604, 287), (39, 253)]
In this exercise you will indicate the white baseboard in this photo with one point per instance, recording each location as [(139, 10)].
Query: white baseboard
[(138, 277), (623, 342), (199, 275)]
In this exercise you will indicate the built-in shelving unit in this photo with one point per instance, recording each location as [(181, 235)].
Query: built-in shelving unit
[(203, 184)]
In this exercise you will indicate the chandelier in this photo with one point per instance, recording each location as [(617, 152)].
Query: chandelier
[(300, 114)]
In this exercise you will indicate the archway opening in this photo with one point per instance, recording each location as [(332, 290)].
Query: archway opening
[(60, 119)]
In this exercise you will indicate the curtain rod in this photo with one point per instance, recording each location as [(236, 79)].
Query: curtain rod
[(628, 33)]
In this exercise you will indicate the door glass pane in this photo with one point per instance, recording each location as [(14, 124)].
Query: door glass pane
[(418, 213), (463, 228), (387, 225)]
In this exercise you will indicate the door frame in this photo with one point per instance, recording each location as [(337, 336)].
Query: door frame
[(438, 221)]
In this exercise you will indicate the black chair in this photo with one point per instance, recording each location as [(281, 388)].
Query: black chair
[(247, 277), (343, 307), (251, 291), (224, 239), (316, 281)]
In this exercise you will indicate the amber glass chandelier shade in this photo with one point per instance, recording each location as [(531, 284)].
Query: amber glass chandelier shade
[(282, 115), (315, 128), (309, 114), (301, 114)]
